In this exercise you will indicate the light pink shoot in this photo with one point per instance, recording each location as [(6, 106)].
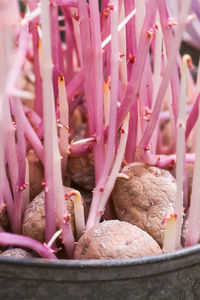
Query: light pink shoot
[(166, 78), (115, 170), (54, 193), (180, 151), (170, 232), (63, 122), (78, 212), (110, 151), (23, 241), (139, 17), (192, 235)]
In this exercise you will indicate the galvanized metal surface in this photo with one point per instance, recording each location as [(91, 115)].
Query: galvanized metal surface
[(174, 275)]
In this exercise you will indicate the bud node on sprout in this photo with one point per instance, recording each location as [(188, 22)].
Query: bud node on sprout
[(43, 183), (21, 187), (145, 118), (61, 77), (106, 12), (66, 218), (168, 217), (75, 16), (101, 189), (150, 33), (171, 22), (110, 6), (147, 148), (101, 212), (131, 59)]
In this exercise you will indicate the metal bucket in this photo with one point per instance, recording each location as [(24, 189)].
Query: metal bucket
[(173, 275)]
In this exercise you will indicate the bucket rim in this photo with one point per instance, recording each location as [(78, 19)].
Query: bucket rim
[(93, 263)]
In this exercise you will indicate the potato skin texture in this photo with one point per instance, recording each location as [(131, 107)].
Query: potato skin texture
[(36, 174), (81, 171), (16, 252), (115, 239), (145, 198), (4, 221), (34, 217)]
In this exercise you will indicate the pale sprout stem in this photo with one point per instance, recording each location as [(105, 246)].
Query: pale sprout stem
[(166, 77), (54, 196), (180, 151), (120, 26), (139, 17), (78, 212), (139, 127), (5, 43), (122, 50), (22, 94), (123, 175), (116, 167), (54, 238), (40, 53), (168, 95), (30, 16), (195, 95), (192, 235), (76, 32), (158, 57), (106, 99), (157, 72), (26, 193), (64, 121), (170, 232), (83, 141)]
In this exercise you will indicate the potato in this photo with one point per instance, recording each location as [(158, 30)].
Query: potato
[(34, 217), (4, 221), (81, 171), (145, 198), (115, 239), (167, 134), (185, 228), (190, 171), (16, 252), (36, 174)]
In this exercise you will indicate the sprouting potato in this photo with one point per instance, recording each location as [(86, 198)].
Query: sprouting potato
[(34, 217), (145, 198), (16, 252), (36, 174), (4, 221), (81, 171), (115, 239)]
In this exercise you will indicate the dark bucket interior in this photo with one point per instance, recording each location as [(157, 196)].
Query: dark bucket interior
[(174, 275)]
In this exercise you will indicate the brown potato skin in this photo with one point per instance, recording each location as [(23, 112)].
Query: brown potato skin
[(115, 239), (16, 252), (36, 174), (145, 198), (81, 171), (190, 171), (34, 217), (185, 228), (4, 221)]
